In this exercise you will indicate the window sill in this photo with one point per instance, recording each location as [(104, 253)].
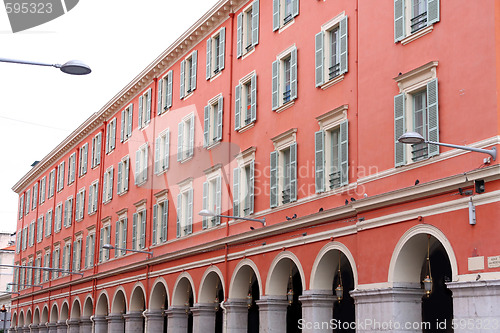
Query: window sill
[(188, 95), (214, 76), (123, 192), (285, 106), (106, 202), (163, 111), (246, 127), (213, 144), (161, 172), (142, 182), (416, 35), (92, 213), (284, 26), (248, 53), (187, 159), (332, 82)]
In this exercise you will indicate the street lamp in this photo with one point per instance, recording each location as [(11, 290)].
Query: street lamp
[(74, 67), (43, 269), (25, 285), (111, 247), (206, 212), (415, 138)]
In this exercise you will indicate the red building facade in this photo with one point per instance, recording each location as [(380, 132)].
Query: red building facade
[(290, 112)]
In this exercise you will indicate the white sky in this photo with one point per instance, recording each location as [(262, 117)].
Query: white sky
[(41, 106)]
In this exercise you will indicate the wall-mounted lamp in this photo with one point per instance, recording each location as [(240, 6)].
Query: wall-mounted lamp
[(111, 247), (206, 212)]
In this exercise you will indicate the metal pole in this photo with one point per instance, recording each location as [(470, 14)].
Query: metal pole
[(492, 152), (25, 62)]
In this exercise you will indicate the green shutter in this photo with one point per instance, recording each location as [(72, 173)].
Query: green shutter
[(166, 156), (399, 20), (134, 231), (104, 188), (222, 48), (293, 74), (180, 134), (169, 88), (255, 22), (293, 172), (252, 187), (209, 60), (190, 211), (239, 35), (319, 58), (101, 243), (236, 191), (155, 222), (399, 129), (432, 11), (140, 111), (218, 198), (179, 214), (433, 116), (119, 180), (130, 120), (159, 109), (295, 7), (205, 204), (148, 105), (108, 240), (124, 236), (253, 97), (122, 129), (220, 111), (110, 190), (117, 237), (164, 221), (274, 179), (143, 229), (237, 107), (276, 15), (157, 155), (183, 69), (319, 160), (206, 126), (137, 166), (191, 135), (275, 85), (194, 60), (344, 153), (108, 132), (344, 59)]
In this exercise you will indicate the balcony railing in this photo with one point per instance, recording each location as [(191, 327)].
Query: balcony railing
[(334, 179), (334, 70), (418, 22)]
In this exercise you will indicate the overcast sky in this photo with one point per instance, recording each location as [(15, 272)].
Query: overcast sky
[(41, 106)]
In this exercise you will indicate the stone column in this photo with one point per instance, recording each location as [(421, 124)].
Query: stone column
[(115, 323), (177, 320), (476, 302), (236, 315), (62, 327), (100, 325), (12, 330), (203, 317), (43, 328), (155, 321), (383, 310), (34, 328), (134, 322), (85, 325), (272, 314), (52, 327), (74, 326), (317, 311)]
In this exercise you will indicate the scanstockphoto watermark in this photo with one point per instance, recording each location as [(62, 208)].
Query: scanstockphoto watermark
[(370, 325)]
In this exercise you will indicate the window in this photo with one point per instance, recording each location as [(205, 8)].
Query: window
[(92, 203), (331, 150), (77, 254), (145, 109), (283, 12), (71, 168), (212, 128), (165, 93), (52, 179), (58, 218), (96, 150), (48, 223), (16, 278), (55, 262), (215, 53), (18, 240), (123, 172), (39, 229), (22, 275), (105, 238), (89, 250), (212, 198), (284, 79), (185, 138), (29, 273), (25, 237), (121, 235), (247, 31), (80, 203), (162, 152), (185, 212), (34, 198), (283, 176), (414, 18), (141, 165), (46, 263), (83, 159), (139, 230), (38, 263), (416, 109), (243, 189), (245, 102), (60, 176), (27, 202), (160, 221), (31, 238), (43, 183), (188, 74), (107, 188), (21, 206), (111, 136), (68, 212), (331, 51), (126, 129), (66, 257)]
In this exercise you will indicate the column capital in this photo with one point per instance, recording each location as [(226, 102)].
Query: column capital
[(273, 302), (176, 312), (317, 298), (100, 319), (113, 317), (155, 314), (203, 308), (133, 315)]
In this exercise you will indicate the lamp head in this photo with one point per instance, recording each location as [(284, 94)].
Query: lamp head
[(108, 247), (206, 212), (411, 138), (75, 67)]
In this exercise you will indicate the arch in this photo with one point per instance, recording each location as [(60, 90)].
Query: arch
[(211, 279), (36, 316), (158, 300), (138, 298), (409, 250), (88, 306), (21, 319), (323, 272), (54, 313), (102, 304), (239, 281), (45, 315), (75, 309), (119, 304), (13, 322), (28, 319), (278, 274), (183, 283), (64, 311)]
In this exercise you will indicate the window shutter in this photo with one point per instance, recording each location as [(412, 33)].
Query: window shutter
[(63, 266), (222, 48), (293, 172), (432, 12), (134, 231), (101, 244), (204, 223), (169, 88), (344, 153), (183, 69), (219, 117), (110, 190), (146, 162), (130, 120), (89, 204), (194, 60), (276, 15), (236, 191), (206, 125), (237, 107), (107, 136), (179, 141), (77, 207), (86, 252), (343, 45), (433, 116), (319, 58), (117, 237), (179, 214), (73, 263), (253, 97), (122, 129), (157, 155), (255, 22), (124, 236), (295, 7), (239, 35), (119, 180), (70, 212), (73, 167), (104, 187), (166, 155), (82, 204), (399, 20), (108, 240), (218, 198), (95, 195), (137, 166), (191, 135), (140, 111), (155, 222), (209, 60), (148, 106), (399, 129), (293, 74), (252, 187), (275, 84), (159, 109), (35, 196), (190, 211), (143, 230), (98, 159), (319, 162), (274, 179), (113, 134)]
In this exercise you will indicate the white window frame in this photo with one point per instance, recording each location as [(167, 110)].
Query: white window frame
[(21, 206), (68, 212), (213, 119), (245, 112), (165, 92), (280, 18), (123, 175), (139, 226), (212, 196), (92, 197), (215, 61), (121, 227), (56, 260), (127, 122), (37, 279), (31, 237), (285, 145), (160, 218), (58, 216), (43, 188), (71, 168), (66, 257), (185, 138), (40, 228), (162, 152), (105, 238), (49, 220), (184, 208), (52, 180), (25, 237), (96, 150), (403, 14), (80, 204), (90, 249), (107, 187), (27, 201), (111, 136), (281, 100), (141, 164), (247, 30), (84, 150), (29, 272), (34, 197), (188, 74), (144, 113), (60, 176), (46, 263), (77, 253)]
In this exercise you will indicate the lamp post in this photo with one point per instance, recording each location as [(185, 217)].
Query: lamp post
[(25, 285), (73, 67), (43, 269), (111, 247), (206, 212), (413, 138)]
